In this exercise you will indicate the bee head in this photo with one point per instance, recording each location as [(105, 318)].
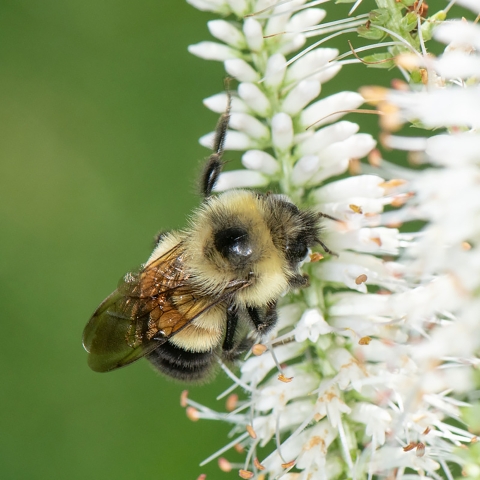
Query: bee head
[(234, 244)]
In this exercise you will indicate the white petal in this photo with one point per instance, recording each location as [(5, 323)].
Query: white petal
[(219, 6), (275, 71), (473, 5), (282, 131), (254, 98), (218, 103), (294, 43), (239, 7), (309, 63), (325, 111), (304, 19), (326, 136), (249, 125), (454, 149), (253, 34), (256, 368), (369, 240), (458, 64), (260, 161), (356, 146), (359, 186), (300, 96), (263, 4), (304, 169), (241, 70), (213, 51), (227, 33), (329, 170), (414, 144), (240, 179), (327, 73), (311, 326), (459, 33), (233, 141), (439, 108)]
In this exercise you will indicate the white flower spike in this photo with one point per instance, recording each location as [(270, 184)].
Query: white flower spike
[(367, 370)]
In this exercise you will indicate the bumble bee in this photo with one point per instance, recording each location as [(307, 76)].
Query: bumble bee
[(206, 292)]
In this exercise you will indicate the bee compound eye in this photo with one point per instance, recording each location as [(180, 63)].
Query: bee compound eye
[(233, 243)]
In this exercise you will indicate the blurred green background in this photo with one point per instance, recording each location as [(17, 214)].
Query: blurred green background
[(100, 115)]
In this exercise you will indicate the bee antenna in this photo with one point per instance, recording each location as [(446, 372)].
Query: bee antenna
[(324, 215), (215, 163), (326, 249)]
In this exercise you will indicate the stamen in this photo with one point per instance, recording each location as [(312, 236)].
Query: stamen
[(257, 464), (355, 208), (420, 449), (230, 389), (224, 465), (355, 110), (245, 474), (316, 44), (284, 379), (366, 48), (361, 279), (231, 403), (295, 9), (234, 377), (239, 439), (346, 450), (184, 398), (316, 257), (355, 5), (251, 431), (192, 414), (259, 349), (239, 448), (385, 60), (410, 446)]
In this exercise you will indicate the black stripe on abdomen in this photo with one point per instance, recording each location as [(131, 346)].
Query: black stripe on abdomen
[(182, 364)]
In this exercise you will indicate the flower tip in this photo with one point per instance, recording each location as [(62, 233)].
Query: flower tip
[(257, 464), (224, 465), (420, 451), (373, 94), (251, 432), (361, 279), (184, 398), (284, 379), (259, 349), (245, 474), (238, 448), (193, 414), (232, 402), (316, 257)]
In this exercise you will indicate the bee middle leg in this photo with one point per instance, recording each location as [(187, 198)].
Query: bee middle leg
[(232, 350), (266, 320)]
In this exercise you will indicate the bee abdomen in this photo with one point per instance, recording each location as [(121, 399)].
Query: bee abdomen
[(182, 364)]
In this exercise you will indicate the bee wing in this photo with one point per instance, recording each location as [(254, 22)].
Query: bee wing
[(145, 311)]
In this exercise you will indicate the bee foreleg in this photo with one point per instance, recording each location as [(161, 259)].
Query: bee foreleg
[(263, 321)]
